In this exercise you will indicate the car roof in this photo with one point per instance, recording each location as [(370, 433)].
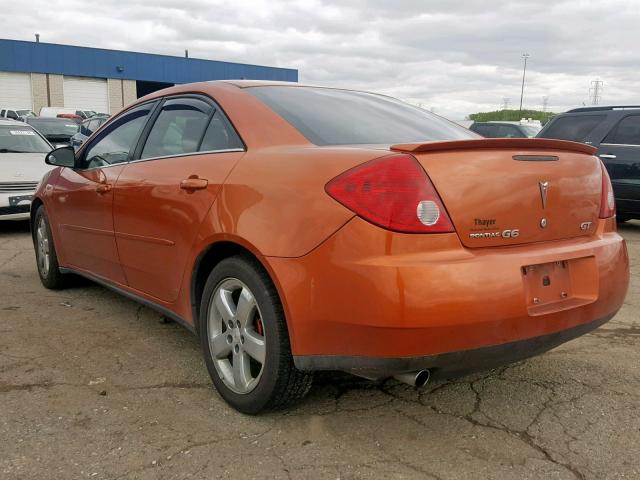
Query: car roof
[(262, 83), (9, 122), (47, 119), (603, 108)]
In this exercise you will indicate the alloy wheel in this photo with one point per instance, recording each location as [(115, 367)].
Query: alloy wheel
[(236, 336), (43, 252)]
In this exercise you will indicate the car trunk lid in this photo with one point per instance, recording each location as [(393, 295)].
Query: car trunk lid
[(513, 191)]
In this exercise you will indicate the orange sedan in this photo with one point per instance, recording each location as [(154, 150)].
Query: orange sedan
[(297, 228)]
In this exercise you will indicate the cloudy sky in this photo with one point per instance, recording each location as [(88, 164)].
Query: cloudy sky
[(454, 57)]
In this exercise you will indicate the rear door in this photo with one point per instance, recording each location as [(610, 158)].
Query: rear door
[(162, 196), (620, 151)]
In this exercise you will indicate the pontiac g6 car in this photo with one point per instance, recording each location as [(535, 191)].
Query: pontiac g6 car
[(299, 228)]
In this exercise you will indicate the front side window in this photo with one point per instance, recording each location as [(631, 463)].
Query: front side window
[(573, 127), (627, 132), (21, 140), (327, 116), (178, 129), (114, 143), (12, 114)]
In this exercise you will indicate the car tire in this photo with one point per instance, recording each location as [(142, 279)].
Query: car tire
[(242, 322), (46, 257)]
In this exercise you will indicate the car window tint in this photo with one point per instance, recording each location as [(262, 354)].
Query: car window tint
[(178, 128), (220, 135), (112, 145), (327, 116), (627, 132), (509, 131), (489, 131), (573, 127)]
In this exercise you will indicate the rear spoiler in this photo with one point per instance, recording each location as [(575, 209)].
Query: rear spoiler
[(510, 143)]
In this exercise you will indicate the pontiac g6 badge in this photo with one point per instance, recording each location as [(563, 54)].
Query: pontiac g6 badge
[(512, 233)]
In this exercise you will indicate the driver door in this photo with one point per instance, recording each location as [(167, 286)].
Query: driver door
[(85, 197)]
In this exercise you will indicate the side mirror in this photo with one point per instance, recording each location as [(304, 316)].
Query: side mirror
[(61, 157)]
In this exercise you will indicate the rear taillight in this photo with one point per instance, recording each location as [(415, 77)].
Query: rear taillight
[(393, 192), (607, 200)]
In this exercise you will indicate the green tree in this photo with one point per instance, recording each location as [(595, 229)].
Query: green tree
[(511, 115)]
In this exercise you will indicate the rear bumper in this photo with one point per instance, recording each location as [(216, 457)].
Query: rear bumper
[(450, 364), (375, 296)]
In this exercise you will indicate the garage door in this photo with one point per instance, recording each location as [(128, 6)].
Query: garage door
[(15, 90), (86, 94)]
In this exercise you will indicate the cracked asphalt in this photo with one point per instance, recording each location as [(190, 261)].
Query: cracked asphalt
[(93, 385)]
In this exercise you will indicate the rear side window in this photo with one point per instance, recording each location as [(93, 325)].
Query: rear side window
[(112, 145), (220, 135), (328, 116), (627, 132), (178, 129), (573, 127)]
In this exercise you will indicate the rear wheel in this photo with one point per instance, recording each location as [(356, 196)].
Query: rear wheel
[(245, 339), (46, 257)]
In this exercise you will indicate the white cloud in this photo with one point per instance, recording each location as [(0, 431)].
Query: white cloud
[(453, 56)]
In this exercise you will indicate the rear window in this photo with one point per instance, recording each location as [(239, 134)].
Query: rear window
[(573, 127), (485, 130), (328, 116)]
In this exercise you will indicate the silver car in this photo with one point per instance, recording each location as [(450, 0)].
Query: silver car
[(22, 152)]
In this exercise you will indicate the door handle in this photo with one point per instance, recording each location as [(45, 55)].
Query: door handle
[(194, 184), (103, 188), (607, 155)]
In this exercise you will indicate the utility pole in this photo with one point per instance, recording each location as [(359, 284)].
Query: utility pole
[(595, 92), (524, 73), (545, 102)]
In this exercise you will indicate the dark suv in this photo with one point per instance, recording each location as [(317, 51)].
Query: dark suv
[(615, 130)]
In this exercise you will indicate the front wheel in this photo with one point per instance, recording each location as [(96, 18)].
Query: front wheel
[(245, 339), (46, 257)]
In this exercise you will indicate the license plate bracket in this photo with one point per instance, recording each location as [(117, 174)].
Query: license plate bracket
[(560, 285)]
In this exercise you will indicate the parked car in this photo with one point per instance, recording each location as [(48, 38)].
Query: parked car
[(299, 228), (57, 131), (16, 113), (74, 114), (87, 127), (22, 153), (615, 132), (506, 129)]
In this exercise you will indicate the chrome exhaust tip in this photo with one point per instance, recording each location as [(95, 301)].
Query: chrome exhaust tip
[(415, 379)]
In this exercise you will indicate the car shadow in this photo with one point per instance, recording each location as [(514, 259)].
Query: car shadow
[(629, 226), (14, 226)]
